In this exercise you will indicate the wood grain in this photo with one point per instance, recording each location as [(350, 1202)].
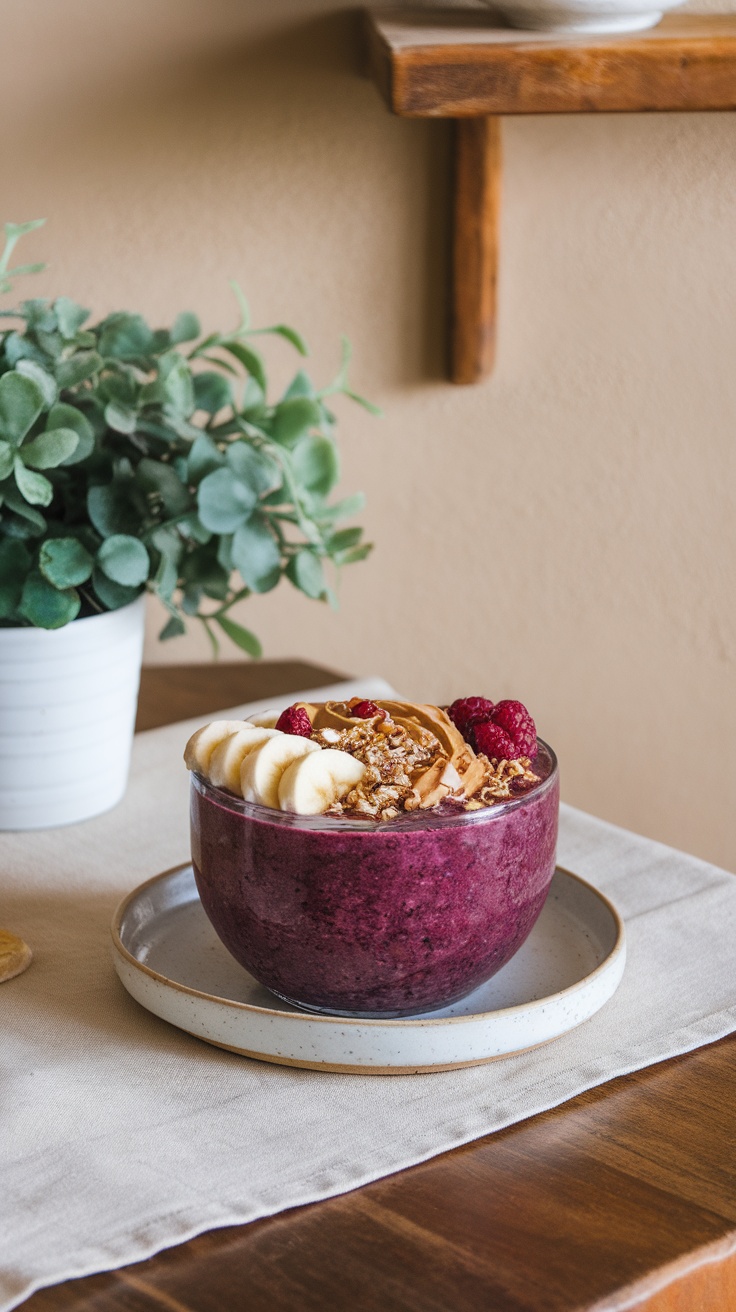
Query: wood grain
[(475, 247), (179, 692), (622, 1197), (457, 64)]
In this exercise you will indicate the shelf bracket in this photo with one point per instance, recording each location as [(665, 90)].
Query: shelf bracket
[(474, 268), (461, 65)]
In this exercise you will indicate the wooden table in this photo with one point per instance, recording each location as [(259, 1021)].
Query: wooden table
[(625, 1196)]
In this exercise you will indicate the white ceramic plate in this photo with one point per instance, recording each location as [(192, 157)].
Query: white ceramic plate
[(170, 959)]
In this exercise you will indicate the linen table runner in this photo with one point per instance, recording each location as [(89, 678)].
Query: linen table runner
[(121, 1135)]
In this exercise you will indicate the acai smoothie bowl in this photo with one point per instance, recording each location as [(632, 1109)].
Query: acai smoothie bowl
[(374, 859)]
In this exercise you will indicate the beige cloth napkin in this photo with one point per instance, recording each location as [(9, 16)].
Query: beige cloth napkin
[(120, 1135)]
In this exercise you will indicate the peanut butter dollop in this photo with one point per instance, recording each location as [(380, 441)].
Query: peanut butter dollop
[(452, 767)]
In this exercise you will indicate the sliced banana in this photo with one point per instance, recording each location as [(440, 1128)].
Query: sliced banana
[(264, 719), (228, 757), (261, 771), (202, 744), (15, 955), (312, 783)]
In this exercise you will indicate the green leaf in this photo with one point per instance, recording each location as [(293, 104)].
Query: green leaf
[(6, 459), (175, 380), (112, 508), (112, 595), (124, 559), (252, 467), (65, 562), (122, 386), (186, 328), (13, 234), (305, 571), (256, 555), (170, 546), (341, 509), (80, 366), (160, 341), (253, 400), (35, 488), (21, 402), (190, 598), (204, 456), (43, 380), (190, 527), (293, 418), (289, 335), (352, 554), (315, 464), (166, 578), (225, 552), (21, 348), (67, 416), (17, 269), (250, 359), (244, 307), (153, 476), (39, 315), (201, 569), (222, 364), (344, 539), (243, 638), (125, 337), (69, 316), (15, 562), (120, 418), (224, 502), (340, 382), (212, 392), (49, 449), (14, 501), (166, 540), (300, 385), (45, 606), (367, 405), (175, 627)]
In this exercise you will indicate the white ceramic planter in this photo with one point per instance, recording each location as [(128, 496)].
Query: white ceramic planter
[(581, 17), (67, 709)]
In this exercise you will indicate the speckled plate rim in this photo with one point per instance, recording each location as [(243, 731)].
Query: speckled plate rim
[(599, 985)]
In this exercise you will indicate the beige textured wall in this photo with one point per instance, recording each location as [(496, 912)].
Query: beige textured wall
[(562, 533)]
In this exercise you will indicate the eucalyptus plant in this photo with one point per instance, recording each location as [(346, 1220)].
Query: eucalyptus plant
[(133, 457)]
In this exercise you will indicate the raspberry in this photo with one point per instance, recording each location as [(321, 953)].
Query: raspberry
[(469, 711), (295, 720), (494, 742), (367, 710), (516, 721)]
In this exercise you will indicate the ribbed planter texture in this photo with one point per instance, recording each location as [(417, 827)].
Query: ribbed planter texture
[(67, 710)]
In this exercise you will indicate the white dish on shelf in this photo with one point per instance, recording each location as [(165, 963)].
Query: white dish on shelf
[(583, 17), (171, 961)]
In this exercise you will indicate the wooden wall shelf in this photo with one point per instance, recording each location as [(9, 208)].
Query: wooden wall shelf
[(466, 65)]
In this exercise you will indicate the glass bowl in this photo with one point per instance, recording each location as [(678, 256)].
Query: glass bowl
[(358, 918)]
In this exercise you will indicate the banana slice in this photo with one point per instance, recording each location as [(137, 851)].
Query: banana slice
[(202, 744), (311, 784), (261, 771), (264, 719), (15, 955), (227, 758)]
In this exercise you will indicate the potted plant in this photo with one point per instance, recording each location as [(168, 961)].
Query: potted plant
[(135, 459)]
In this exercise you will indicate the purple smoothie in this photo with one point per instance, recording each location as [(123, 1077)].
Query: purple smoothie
[(375, 919)]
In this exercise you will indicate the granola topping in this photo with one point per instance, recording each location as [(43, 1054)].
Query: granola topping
[(407, 765)]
